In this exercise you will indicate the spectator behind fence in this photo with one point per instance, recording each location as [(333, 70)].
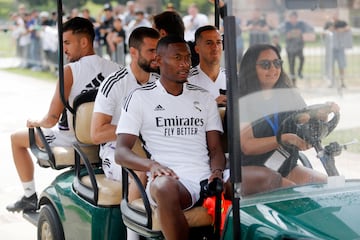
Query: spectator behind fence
[(84, 72), (86, 14), (341, 38), (193, 21), (129, 14), (49, 42), (258, 28), (116, 42), (106, 25), (294, 31), (139, 21)]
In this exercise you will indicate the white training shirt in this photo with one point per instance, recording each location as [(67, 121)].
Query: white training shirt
[(199, 78), (88, 73), (114, 90), (173, 127)]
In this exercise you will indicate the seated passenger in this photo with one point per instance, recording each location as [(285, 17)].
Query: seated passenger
[(84, 72), (111, 97), (114, 90), (260, 70), (180, 127), (209, 74)]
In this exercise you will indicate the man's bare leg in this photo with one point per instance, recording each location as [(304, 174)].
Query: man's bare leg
[(171, 198)]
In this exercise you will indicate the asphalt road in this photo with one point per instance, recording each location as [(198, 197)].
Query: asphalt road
[(24, 97), (21, 98)]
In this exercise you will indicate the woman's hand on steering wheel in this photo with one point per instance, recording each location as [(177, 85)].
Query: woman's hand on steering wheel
[(322, 114), (293, 139), (310, 124)]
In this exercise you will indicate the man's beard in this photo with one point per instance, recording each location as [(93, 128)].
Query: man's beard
[(144, 65)]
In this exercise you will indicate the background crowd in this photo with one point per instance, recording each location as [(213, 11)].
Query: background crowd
[(35, 34)]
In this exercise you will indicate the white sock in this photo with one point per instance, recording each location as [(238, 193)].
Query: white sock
[(29, 188), (131, 235)]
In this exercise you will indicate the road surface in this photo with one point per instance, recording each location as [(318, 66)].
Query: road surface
[(21, 98)]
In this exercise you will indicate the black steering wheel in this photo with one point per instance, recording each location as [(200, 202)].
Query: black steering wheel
[(312, 124)]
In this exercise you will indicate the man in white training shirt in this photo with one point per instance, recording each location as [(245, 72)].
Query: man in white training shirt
[(114, 90), (180, 127), (209, 74), (84, 72)]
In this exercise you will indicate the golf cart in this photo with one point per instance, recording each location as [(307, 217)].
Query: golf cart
[(311, 211), (82, 203)]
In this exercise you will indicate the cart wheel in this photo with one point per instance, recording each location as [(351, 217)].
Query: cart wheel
[(304, 160), (49, 226)]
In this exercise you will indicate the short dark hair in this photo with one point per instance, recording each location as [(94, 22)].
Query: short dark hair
[(167, 40), (79, 25), (171, 22), (138, 34), (203, 29)]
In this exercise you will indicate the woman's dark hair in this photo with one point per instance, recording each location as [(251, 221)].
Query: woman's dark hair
[(249, 81)]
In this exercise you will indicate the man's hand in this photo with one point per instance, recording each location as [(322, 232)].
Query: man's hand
[(217, 173), (221, 100), (32, 123), (158, 170)]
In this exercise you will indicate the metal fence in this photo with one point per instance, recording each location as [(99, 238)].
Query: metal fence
[(319, 58)]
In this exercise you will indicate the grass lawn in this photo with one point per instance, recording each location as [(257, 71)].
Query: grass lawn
[(344, 136), (48, 76), (7, 46)]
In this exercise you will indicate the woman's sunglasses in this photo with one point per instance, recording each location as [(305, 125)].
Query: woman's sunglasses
[(266, 64)]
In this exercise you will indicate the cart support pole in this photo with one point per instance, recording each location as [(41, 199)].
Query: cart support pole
[(217, 14), (233, 119), (61, 55)]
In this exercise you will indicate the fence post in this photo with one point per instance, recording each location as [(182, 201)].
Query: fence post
[(329, 57), (120, 53)]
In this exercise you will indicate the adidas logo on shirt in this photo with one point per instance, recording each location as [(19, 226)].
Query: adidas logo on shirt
[(159, 108)]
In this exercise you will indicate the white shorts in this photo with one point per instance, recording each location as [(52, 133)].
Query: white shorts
[(111, 169), (191, 186), (56, 137)]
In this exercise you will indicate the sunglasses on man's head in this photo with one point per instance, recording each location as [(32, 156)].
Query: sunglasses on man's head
[(266, 64)]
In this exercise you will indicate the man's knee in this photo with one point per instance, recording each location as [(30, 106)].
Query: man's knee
[(164, 187), (20, 138)]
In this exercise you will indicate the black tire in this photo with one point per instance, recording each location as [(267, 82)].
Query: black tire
[(49, 226), (304, 160)]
